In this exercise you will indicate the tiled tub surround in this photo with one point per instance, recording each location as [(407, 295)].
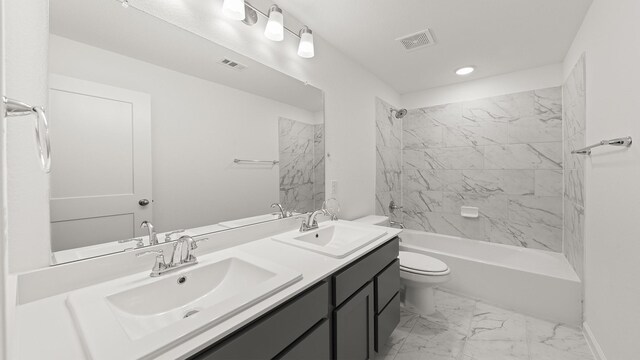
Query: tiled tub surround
[(501, 154), (301, 148), (388, 161), (466, 329), (574, 110)]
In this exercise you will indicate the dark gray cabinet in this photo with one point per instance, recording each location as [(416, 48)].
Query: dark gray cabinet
[(386, 321), (360, 292), (316, 345), (268, 336), (344, 317), (354, 326)]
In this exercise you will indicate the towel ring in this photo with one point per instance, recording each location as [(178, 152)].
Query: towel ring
[(43, 140)]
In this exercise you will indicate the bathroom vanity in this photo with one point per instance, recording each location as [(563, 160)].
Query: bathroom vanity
[(348, 315), (330, 307)]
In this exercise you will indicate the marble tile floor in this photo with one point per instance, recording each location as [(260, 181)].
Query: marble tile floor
[(466, 329)]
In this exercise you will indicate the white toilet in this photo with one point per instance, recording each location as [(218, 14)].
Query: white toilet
[(419, 273)]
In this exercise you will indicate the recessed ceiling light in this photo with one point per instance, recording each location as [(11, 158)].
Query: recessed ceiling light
[(466, 70)]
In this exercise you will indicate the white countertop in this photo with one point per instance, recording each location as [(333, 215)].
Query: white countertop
[(45, 328)]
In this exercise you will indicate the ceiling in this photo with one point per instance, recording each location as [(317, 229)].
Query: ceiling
[(107, 25), (497, 36)]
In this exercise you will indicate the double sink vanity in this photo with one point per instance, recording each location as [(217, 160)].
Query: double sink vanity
[(325, 293)]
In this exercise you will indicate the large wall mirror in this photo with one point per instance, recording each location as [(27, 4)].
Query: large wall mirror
[(152, 123)]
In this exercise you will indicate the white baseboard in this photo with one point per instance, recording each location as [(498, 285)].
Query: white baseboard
[(593, 343)]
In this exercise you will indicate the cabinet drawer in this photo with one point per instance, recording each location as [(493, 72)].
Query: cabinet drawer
[(315, 345), (387, 321), (349, 280), (387, 284), (271, 334)]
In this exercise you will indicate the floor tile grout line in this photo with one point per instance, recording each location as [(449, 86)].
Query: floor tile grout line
[(415, 316), (468, 334)]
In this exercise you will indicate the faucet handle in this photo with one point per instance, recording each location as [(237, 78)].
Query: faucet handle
[(332, 208), (393, 206), (194, 243), (139, 241), (159, 265), (167, 236)]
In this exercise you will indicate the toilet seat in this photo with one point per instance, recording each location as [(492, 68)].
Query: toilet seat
[(421, 264), (425, 273)]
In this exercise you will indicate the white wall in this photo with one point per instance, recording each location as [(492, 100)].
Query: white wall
[(4, 259), (26, 33), (198, 128), (531, 79), (609, 37)]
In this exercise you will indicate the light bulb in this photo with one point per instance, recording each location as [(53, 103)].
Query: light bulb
[(465, 70), (275, 26), (233, 9), (305, 48)]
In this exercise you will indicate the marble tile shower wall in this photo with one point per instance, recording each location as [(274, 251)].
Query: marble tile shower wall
[(501, 154), (388, 161), (299, 165), (318, 165), (574, 109)]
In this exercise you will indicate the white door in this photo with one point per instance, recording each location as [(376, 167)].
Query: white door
[(101, 162)]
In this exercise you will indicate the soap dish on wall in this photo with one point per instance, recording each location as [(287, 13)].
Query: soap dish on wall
[(469, 211)]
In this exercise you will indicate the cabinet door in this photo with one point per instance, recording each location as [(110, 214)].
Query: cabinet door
[(354, 327), (314, 345)]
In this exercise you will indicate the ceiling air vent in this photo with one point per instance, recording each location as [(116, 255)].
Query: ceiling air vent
[(417, 40), (232, 64)]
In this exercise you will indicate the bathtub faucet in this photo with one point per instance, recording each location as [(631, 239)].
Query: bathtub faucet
[(396, 224)]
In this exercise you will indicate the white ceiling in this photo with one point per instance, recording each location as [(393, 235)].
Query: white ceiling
[(497, 36), (106, 24)]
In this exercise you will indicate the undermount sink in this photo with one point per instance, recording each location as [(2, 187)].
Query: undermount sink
[(137, 316), (335, 238)]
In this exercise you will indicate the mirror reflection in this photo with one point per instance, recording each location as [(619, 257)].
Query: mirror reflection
[(148, 140)]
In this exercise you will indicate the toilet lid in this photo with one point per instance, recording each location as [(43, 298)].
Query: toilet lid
[(421, 263)]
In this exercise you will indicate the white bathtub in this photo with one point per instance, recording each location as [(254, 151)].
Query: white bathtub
[(534, 282)]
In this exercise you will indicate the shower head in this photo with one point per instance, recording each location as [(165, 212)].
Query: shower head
[(400, 113)]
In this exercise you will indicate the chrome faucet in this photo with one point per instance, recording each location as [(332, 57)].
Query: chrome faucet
[(159, 266), (182, 256), (283, 213), (396, 224), (153, 237), (310, 223), (182, 251), (393, 206)]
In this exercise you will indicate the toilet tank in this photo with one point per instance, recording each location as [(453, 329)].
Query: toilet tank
[(374, 220)]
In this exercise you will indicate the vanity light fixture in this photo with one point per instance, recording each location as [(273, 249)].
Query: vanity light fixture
[(306, 48), (233, 9), (465, 70), (275, 26), (247, 13)]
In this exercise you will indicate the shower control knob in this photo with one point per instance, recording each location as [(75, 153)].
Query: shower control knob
[(143, 202)]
